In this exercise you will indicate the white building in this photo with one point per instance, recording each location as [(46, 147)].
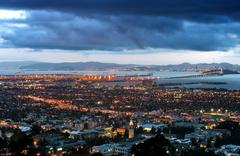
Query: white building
[(229, 150), (113, 149), (105, 149), (148, 127)]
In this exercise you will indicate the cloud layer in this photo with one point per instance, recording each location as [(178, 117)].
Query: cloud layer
[(203, 25)]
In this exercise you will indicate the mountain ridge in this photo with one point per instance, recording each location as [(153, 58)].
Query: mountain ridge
[(114, 66)]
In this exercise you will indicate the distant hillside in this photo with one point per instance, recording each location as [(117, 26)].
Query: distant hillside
[(198, 67), (73, 66), (109, 66), (15, 65)]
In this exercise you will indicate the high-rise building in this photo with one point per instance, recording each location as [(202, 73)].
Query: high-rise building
[(131, 133)]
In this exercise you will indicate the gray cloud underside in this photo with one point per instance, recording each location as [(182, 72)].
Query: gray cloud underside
[(187, 8), (109, 25)]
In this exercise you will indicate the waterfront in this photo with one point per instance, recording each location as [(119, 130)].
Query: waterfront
[(161, 74), (225, 82), (231, 81)]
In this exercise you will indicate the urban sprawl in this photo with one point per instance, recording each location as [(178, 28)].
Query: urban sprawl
[(55, 115)]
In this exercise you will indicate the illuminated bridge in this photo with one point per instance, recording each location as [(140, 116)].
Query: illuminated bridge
[(204, 73)]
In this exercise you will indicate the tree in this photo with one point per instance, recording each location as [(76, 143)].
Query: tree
[(19, 142), (158, 145), (153, 130), (197, 152), (2, 143), (194, 142), (235, 133), (36, 129), (229, 125), (97, 154), (139, 130), (209, 142)]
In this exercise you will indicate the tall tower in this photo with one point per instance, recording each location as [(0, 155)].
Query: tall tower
[(131, 130)]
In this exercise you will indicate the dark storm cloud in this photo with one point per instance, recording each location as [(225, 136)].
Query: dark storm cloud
[(58, 30), (124, 24), (206, 10)]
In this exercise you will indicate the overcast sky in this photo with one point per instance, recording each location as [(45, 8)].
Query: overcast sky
[(120, 31)]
